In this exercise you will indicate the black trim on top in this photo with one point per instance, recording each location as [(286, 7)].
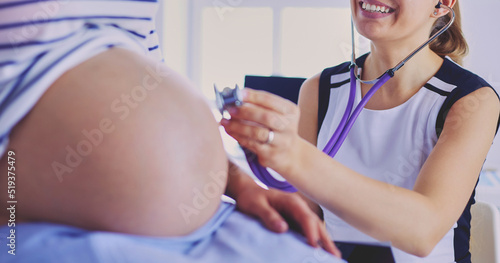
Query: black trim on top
[(323, 98), (325, 86), (438, 91), (462, 232), (498, 124), (340, 84), (466, 82)]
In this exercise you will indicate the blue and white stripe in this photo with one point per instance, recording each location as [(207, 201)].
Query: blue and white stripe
[(40, 40)]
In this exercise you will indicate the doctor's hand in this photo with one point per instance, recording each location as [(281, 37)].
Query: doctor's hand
[(267, 125)]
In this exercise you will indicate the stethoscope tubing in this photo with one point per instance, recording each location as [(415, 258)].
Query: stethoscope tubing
[(347, 113), (345, 126), (335, 142), (263, 174)]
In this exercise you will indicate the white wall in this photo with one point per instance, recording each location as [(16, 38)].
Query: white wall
[(482, 29), (173, 19)]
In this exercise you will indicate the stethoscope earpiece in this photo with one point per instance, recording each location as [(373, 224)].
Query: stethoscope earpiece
[(438, 6)]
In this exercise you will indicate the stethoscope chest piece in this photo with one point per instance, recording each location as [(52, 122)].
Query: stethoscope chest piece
[(228, 98)]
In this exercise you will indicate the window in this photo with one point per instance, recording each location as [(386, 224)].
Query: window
[(313, 39), (238, 44), (228, 39)]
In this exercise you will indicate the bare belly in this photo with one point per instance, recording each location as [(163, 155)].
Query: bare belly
[(117, 145)]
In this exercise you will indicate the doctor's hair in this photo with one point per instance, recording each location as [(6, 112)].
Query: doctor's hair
[(452, 42)]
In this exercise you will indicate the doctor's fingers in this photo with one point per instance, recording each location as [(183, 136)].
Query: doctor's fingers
[(269, 101), (243, 129), (273, 120), (263, 151)]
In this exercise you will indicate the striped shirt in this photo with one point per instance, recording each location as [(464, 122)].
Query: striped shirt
[(40, 40)]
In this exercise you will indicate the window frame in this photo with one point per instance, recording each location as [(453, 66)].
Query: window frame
[(195, 9)]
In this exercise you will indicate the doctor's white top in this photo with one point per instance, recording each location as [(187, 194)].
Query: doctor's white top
[(392, 145)]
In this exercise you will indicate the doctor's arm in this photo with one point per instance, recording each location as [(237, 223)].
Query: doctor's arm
[(413, 220)]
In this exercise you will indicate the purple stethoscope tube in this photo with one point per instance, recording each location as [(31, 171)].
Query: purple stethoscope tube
[(229, 98), (333, 145), (347, 121)]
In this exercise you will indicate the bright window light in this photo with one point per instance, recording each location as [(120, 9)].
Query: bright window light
[(239, 44), (314, 39)]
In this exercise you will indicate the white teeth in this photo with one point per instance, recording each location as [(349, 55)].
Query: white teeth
[(375, 8)]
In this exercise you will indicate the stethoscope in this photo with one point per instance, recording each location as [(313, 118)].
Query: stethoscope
[(233, 98)]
